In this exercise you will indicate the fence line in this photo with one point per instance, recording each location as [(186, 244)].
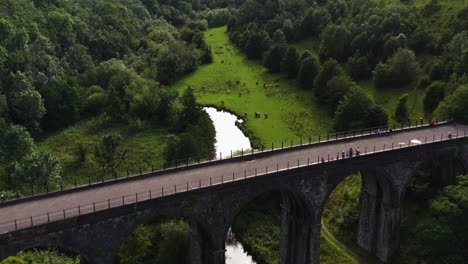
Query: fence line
[(284, 145), (201, 183)]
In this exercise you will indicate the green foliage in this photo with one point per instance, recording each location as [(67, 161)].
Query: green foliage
[(401, 111), (337, 88), (454, 106), (314, 21), (196, 141), (258, 228), (358, 67), (15, 143), (401, 69), (48, 256), (174, 243), (309, 69), (28, 108), (440, 233), (435, 93), (273, 57), (330, 69), (40, 169), (166, 241), (357, 111), (13, 260), (335, 43), (50, 49), (109, 153), (342, 209), (431, 7), (290, 62), (139, 246)]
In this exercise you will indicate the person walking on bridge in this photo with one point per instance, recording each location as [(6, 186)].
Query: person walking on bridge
[(350, 152)]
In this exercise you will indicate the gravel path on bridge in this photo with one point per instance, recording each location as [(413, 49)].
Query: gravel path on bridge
[(193, 176)]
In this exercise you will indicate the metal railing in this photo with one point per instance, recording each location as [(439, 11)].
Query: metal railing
[(194, 161), (201, 183)]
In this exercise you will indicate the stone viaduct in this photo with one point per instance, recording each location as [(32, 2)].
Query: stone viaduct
[(97, 236)]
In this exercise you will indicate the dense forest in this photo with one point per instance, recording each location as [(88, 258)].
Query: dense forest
[(87, 88)]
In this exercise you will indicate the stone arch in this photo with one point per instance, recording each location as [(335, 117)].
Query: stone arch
[(200, 242), (299, 243)]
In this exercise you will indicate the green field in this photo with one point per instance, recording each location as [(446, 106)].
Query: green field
[(292, 112)]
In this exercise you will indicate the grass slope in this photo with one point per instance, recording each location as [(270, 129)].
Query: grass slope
[(292, 112), (144, 145)]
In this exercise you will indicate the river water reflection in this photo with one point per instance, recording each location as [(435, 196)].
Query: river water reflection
[(230, 137)]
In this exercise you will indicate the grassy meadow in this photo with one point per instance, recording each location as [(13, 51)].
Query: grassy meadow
[(231, 82)]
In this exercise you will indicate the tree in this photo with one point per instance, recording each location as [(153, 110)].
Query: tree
[(257, 42), (273, 57), (314, 21), (358, 67), (29, 109), (15, 143), (310, 67), (110, 154), (335, 43), (174, 243), (289, 63), (330, 69), (401, 69), (191, 111), (435, 93), (337, 88), (357, 110), (401, 111), (40, 170), (454, 106)]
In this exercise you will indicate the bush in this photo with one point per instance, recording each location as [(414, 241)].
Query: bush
[(357, 111), (401, 111), (454, 106), (435, 93)]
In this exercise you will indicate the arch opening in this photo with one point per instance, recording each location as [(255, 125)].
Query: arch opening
[(272, 228), (165, 239), (430, 230)]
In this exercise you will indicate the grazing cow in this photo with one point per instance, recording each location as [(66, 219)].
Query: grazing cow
[(245, 115), (266, 115), (237, 82), (257, 115)]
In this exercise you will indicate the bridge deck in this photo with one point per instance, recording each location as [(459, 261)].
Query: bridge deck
[(195, 176)]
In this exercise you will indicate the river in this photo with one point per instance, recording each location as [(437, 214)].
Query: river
[(230, 138)]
